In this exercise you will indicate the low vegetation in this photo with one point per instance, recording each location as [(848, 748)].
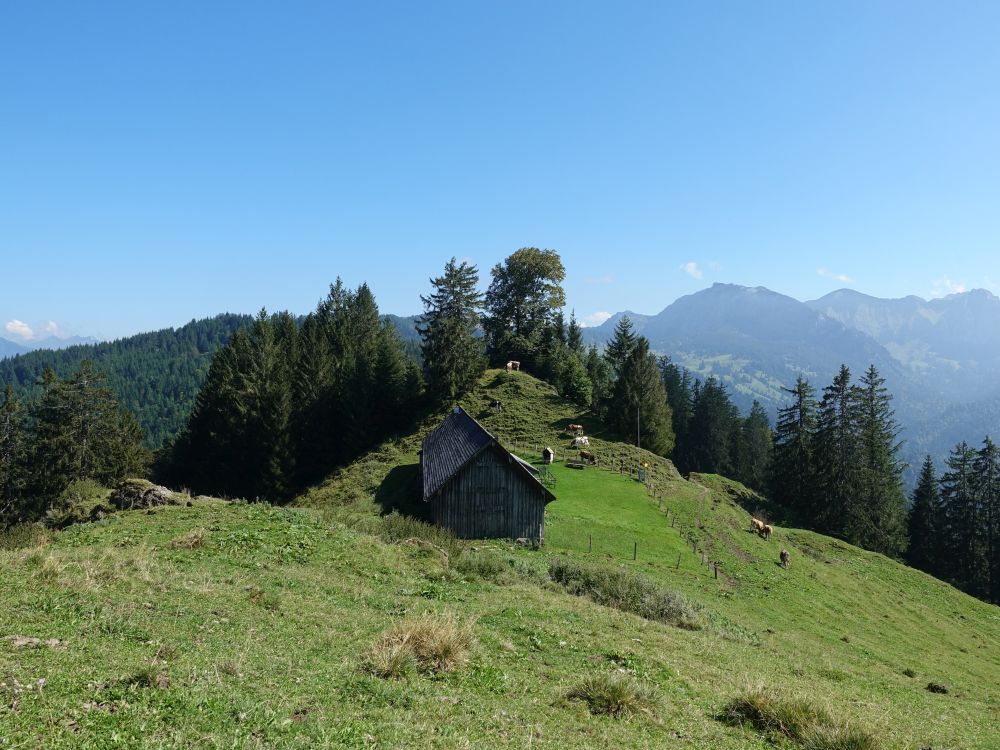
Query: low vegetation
[(430, 644), (797, 719), (627, 591), (615, 694)]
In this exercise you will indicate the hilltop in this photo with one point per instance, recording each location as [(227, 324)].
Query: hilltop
[(235, 625)]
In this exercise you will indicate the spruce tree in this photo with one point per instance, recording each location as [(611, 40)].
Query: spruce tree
[(574, 336), (640, 403), (13, 456), (80, 432), (713, 427), (924, 524), (877, 514), (837, 456), (601, 377), (960, 530), (753, 449), (987, 490), (452, 353), (792, 473), (621, 346)]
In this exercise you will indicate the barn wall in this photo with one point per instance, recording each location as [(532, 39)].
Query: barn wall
[(490, 499)]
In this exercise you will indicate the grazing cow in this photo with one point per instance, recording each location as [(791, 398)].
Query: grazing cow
[(767, 531), (785, 558), (757, 524), (575, 428), (496, 404), (513, 365), (581, 440), (588, 457)]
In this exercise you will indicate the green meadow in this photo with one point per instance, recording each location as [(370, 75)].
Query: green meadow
[(233, 625)]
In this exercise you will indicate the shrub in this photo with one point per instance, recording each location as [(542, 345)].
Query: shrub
[(486, 566), (614, 695), (430, 643), (631, 592), (24, 535)]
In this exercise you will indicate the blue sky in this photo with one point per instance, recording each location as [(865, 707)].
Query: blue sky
[(160, 162)]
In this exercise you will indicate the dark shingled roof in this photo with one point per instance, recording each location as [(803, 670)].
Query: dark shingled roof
[(456, 441)]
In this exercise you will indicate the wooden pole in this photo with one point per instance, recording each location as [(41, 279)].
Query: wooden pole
[(635, 550)]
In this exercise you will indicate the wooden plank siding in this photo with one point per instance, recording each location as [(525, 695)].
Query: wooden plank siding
[(490, 498)]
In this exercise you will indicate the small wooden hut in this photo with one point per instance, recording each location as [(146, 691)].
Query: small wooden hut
[(548, 455), (478, 489)]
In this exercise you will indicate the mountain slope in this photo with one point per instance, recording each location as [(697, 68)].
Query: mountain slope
[(953, 342), (10, 349), (155, 375), (757, 341), (235, 625)]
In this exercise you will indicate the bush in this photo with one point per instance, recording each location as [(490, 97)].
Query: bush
[(630, 592), (810, 726), (80, 502), (24, 535), (430, 643), (485, 566), (614, 695)]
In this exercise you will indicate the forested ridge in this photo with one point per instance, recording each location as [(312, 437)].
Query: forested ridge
[(156, 376)]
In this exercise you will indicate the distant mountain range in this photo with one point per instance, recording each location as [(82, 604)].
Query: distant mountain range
[(940, 357), (10, 348)]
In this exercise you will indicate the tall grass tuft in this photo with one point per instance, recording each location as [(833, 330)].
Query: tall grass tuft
[(614, 695), (799, 720), (631, 592), (431, 644)]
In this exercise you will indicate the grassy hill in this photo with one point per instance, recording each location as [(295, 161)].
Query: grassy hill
[(233, 625)]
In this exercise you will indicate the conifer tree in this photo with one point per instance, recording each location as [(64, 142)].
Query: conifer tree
[(640, 401), (80, 432), (837, 456), (621, 346), (987, 490), (452, 353), (793, 474), (753, 448), (601, 377), (876, 516), (924, 524), (574, 336), (714, 420), (961, 533), (13, 455)]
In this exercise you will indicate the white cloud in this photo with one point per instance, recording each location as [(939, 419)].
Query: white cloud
[(828, 274), (52, 329), (595, 319), (944, 285), (691, 269), (20, 329)]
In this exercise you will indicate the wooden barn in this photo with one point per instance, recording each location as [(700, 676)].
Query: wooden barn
[(476, 488)]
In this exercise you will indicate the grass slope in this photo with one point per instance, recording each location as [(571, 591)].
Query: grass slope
[(230, 625)]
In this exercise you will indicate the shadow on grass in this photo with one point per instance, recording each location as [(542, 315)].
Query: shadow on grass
[(400, 491)]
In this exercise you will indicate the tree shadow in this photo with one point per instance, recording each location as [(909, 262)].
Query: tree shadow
[(401, 492)]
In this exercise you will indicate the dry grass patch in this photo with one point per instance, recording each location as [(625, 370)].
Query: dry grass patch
[(429, 644), (193, 539), (615, 695)]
